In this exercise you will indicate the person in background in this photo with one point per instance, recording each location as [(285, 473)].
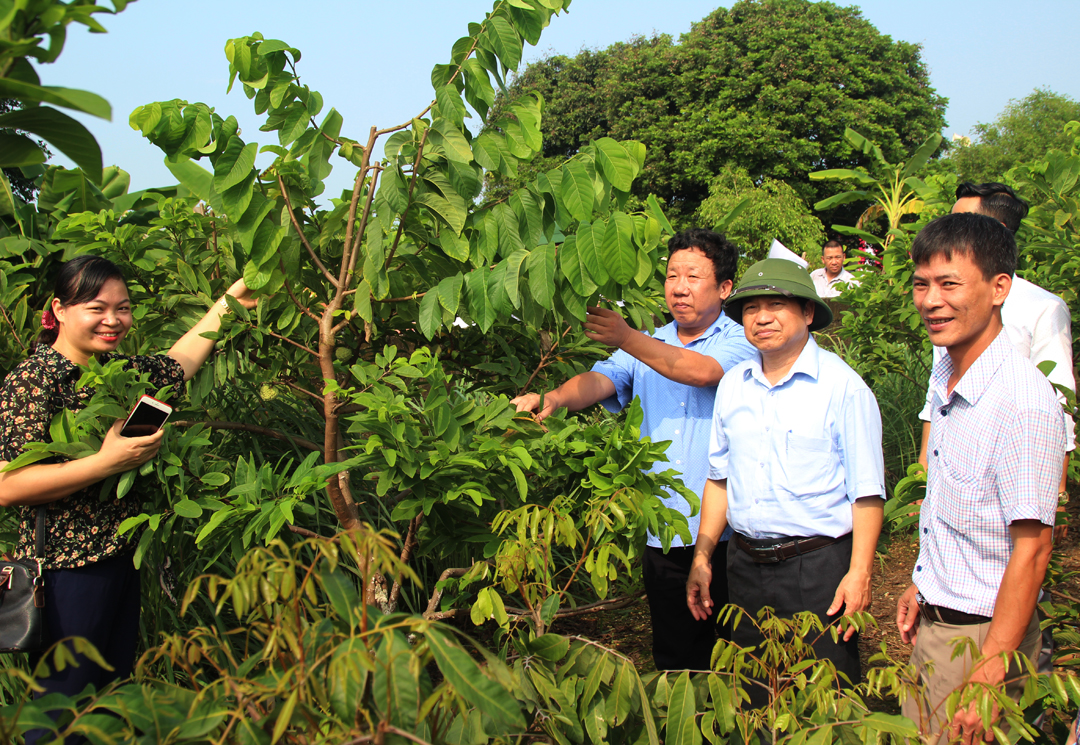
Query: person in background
[(674, 372), (996, 441), (828, 279), (795, 468), (91, 584)]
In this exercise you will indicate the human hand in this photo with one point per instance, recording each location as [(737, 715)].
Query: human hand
[(240, 292), (531, 402), (853, 594), (907, 615), (697, 591), (119, 454), (967, 724), (606, 326)]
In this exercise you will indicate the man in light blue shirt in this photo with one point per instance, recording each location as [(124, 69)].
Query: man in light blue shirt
[(796, 469), (674, 372)]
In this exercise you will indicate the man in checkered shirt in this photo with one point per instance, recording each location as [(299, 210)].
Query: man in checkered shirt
[(997, 440)]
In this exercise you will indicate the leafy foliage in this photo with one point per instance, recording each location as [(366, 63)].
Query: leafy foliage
[(1022, 133), (767, 85), (766, 211)]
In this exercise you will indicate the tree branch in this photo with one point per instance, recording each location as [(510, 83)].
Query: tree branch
[(14, 331), (303, 531), (543, 361), (358, 186), (254, 429), (408, 206), (406, 553), (303, 238), (406, 298), (431, 614), (296, 301)]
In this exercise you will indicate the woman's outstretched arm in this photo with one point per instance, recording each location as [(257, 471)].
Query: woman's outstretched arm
[(193, 349)]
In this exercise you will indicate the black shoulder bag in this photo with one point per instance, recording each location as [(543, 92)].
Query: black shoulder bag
[(22, 598)]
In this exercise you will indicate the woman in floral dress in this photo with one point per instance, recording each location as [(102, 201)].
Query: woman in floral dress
[(91, 584)]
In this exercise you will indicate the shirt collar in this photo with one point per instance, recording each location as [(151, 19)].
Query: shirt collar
[(977, 378), (808, 363), (670, 332)]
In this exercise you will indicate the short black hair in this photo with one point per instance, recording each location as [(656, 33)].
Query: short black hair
[(79, 281), (723, 253), (989, 244), (997, 201), (834, 244)]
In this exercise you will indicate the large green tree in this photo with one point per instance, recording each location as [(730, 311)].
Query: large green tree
[(769, 85), (1022, 133)]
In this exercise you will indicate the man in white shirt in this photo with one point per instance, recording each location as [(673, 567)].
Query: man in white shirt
[(1037, 322), (828, 280)]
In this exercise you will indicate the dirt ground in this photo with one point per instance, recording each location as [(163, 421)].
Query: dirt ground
[(628, 630)]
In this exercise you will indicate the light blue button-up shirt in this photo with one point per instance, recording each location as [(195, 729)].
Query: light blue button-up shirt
[(676, 412), (797, 454)]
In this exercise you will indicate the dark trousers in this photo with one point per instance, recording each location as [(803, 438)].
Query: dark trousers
[(99, 602), (802, 583), (680, 642)]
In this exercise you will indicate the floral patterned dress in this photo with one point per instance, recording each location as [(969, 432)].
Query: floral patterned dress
[(81, 526)]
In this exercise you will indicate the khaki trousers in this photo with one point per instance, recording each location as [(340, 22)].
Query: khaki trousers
[(933, 645)]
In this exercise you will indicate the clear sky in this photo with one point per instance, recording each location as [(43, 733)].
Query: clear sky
[(372, 60)]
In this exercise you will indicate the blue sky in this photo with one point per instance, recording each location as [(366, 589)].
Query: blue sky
[(372, 60)]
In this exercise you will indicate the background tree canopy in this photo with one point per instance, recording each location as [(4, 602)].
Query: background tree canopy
[(769, 85), (1025, 131)]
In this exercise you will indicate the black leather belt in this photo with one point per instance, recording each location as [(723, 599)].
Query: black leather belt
[(775, 550), (952, 617)]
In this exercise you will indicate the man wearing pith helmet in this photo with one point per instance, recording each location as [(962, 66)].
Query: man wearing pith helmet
[(795, 468)]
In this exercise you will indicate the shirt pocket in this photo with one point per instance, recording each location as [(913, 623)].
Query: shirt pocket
[(808, 464), (965, 500)]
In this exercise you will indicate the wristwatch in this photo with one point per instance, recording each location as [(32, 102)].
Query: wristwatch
[(1063, 497), (224, 304)]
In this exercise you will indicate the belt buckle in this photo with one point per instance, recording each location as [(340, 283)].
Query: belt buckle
[(772, 555)]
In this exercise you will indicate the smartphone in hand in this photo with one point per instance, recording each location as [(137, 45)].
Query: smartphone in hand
[(146, 418)]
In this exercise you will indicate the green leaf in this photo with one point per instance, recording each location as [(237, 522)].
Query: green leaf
[(681, 728), (512, 278), (430, 313), (187, 508), (843, 174), (125, 482), (615, 163), (574, 268), (658, 213), (577, 190), (481, 307), (69, 98), (61, 131), (618, 252), (843, 197), (17, 151), (469, 680), (451, 140), (921, 156), (541, 268), (191, 176), (449, 293), (284, 715), (450, 104), (504, 40), (7, 197), (550, 647), (234, 165), (590, 244)]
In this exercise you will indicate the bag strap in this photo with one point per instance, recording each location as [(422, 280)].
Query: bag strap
[(39, 535)]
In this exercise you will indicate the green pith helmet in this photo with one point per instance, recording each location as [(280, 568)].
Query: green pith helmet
[(777, 277)]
